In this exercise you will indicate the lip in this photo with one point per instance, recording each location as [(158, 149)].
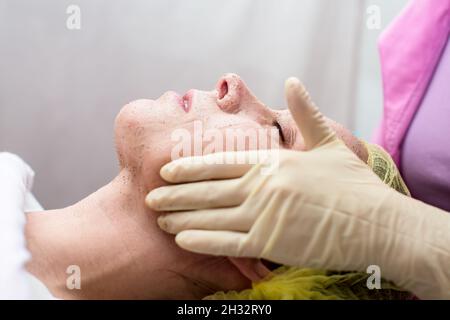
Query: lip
[(187, 100)]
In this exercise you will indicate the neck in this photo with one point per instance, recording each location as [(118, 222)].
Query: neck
[(113, 238)]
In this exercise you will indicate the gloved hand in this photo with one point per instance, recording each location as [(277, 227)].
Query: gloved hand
[(323, 208)]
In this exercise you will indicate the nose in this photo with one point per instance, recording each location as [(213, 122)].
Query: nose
[(229, 90), (234, 96)]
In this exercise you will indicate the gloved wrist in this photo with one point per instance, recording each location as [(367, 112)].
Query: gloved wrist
[(416, 249)]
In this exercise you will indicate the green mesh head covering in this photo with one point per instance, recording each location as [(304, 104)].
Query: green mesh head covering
[(293, 283), (384, 167)]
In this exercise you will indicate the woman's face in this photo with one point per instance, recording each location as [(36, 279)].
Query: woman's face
[(149, 133)]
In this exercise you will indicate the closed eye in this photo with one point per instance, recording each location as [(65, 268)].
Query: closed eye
[(277, 125)]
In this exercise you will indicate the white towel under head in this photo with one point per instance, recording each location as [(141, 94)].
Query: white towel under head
[(16, 180)]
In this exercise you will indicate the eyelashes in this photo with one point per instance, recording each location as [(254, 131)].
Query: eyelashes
[(277, 125), (285, 131)]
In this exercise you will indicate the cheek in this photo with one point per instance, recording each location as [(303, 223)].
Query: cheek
[(299, 143), (153, 157), (238, 133)]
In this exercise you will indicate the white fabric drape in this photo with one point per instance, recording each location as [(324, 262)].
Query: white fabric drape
[(16, 180)]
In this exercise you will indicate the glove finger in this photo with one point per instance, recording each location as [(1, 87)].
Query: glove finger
[(307, 116), (214, 166), (217, 243), (197, 195), (230, 219)]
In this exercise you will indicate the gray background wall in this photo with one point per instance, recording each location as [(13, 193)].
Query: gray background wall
[(60, 89)]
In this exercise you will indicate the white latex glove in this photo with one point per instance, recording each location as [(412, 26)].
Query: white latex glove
[(323, 208)]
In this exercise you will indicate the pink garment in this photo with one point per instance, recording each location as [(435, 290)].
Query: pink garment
[(410, 49)]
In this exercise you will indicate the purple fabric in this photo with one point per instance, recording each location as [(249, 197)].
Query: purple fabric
[(425, 160), (410, 49)]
